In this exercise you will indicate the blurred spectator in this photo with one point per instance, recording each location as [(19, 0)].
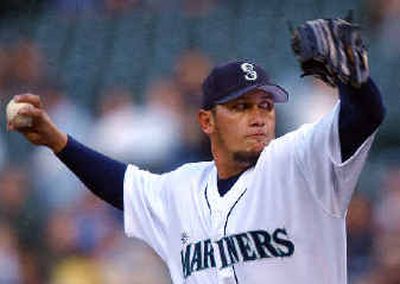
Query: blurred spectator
[(74, 237), (10, 267), (129, 261), (388, 208), (21, 71), (20, 208), (386, 267), (360, 236), (384, 17), (4, 63), (146, 135), (60, 235), (385, 223), (121, 5), (310, 99), (57, 186), (198, 7), (115, 130), (76, 270), (3, 150), (28, 65), (94, 224), (18, 205), (165, 107), (191, 67), (62, 254), (190, 70), (25, 67)]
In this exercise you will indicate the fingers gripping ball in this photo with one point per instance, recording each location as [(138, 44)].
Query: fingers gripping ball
[(15, 118)]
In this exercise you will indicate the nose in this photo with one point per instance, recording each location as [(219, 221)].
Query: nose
[(257, 117)]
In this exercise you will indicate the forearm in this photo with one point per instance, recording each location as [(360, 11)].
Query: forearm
[(101, 175), (361, 112)]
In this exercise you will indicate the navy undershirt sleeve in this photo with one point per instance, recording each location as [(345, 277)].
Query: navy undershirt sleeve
[(361, 112), (101, 175)]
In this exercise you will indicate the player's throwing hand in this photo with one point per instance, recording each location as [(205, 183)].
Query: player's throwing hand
[(42, 130)]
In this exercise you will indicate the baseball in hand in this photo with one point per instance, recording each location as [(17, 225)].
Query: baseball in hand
[(16, 119)]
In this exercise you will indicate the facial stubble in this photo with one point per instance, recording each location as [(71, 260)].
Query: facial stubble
[(245, 159)]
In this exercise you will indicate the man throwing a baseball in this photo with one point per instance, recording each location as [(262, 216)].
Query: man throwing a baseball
[(265, 209)]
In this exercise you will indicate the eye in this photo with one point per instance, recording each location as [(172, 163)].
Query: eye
[(266, 105), (239, 106)]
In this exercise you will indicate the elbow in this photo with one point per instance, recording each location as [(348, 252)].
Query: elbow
[(380, 114)]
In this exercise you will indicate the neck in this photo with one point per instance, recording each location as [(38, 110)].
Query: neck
[(227, 167)]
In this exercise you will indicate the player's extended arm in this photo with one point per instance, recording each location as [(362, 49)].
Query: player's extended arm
[(333, 50), (361, 112), (102, 175)]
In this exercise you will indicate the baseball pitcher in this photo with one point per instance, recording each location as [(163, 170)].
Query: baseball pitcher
[(266, 209)]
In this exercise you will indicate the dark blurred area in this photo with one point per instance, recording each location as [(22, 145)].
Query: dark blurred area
[(124, 77), (19, 7)]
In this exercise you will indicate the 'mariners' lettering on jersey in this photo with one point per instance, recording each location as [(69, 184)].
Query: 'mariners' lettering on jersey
[(232, 249)]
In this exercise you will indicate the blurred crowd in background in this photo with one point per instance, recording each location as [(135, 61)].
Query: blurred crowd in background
[(124, 77)]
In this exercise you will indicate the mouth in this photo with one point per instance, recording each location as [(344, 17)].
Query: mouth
[(257, 135), (257, 141)]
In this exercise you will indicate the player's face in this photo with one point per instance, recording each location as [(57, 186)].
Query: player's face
[(242, 127)]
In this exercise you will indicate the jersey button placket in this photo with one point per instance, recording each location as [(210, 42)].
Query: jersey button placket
[(218, 221), (226, 276)]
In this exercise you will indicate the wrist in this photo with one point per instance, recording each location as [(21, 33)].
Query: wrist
[(59, 142)]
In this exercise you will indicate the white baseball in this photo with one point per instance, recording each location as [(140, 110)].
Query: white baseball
[(18, 120)]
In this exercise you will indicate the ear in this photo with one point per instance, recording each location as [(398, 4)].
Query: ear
[(206, 121)]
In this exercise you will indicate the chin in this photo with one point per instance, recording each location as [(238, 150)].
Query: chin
[(247, 158), (258, 147)]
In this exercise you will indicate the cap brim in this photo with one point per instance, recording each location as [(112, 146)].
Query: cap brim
[(279, 94)]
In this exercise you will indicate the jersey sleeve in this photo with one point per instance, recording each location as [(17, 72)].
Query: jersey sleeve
[(145, 208), (331, 181)]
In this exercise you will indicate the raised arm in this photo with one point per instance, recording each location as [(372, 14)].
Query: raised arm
[(333, 50), (361, 112), (102, 176)]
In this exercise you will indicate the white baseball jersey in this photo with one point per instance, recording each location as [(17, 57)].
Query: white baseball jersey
[(282, 222)]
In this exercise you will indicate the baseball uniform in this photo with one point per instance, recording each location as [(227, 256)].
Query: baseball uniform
[(282, 221)]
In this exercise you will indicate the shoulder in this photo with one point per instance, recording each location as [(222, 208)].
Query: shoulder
[(187, 179), (185, 171), (284, 147), (191, 170)]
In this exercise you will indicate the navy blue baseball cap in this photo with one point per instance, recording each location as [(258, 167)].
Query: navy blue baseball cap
[(234, 79)]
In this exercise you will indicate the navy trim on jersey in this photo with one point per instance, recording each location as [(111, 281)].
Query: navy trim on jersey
[(230, 210), (224, 185), (206, 197), (234, 274), (226, 223)]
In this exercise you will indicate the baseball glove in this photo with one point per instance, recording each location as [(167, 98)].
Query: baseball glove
[(331, 50)]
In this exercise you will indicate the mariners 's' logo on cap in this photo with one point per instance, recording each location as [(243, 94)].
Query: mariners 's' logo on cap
[(249, 73)]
